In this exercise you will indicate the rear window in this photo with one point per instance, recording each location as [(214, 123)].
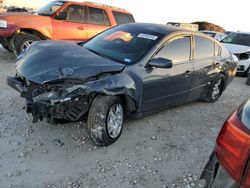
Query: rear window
[(123, 18), (244, 114), (224, 52), (203, 47)]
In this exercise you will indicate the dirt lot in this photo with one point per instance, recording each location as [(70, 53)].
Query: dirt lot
[(167, 149)]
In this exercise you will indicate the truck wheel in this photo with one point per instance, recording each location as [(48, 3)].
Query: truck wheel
[(23, 41), (216, 89), (105, 120), (6, 47)]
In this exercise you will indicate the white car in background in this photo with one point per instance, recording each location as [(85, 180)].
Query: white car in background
[(216, 35), (239, 44)]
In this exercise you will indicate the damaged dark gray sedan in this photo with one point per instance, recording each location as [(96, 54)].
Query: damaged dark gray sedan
[(127, 71)]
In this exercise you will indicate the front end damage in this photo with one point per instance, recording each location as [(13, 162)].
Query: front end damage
[(61, 100), (59, 80)]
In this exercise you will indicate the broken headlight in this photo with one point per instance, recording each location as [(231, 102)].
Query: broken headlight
[(60, 95)]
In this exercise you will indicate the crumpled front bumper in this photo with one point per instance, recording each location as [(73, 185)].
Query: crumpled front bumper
[(71, 110), (216, 176)]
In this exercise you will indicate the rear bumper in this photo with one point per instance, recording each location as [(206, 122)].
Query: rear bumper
[(216, 176)]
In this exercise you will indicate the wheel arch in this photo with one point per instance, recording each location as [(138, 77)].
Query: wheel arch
[(129, 102), (33, 32), (122, 85)]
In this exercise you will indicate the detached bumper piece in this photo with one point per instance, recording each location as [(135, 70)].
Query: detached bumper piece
[(216, 176), (70, 111), (71, 108)]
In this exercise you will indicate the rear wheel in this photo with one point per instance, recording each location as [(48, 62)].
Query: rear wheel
[(23, 41), (216, 89), (105, 120)]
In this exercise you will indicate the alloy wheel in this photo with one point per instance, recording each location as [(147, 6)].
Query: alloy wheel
[(216, 89), (26, 44), (115, 120)]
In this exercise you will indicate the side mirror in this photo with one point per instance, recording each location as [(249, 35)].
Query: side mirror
[(61, 16), (160, 63)]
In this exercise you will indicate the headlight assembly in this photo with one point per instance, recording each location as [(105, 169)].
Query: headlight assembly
[(3, 24)]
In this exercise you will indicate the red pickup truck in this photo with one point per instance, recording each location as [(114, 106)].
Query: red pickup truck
[(59, 20)]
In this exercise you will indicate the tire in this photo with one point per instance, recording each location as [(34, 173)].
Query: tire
[(22, 41), (248, 81), (6, 47), (100, 121), (216, 89)]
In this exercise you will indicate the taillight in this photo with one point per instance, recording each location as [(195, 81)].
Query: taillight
[(232, 148)]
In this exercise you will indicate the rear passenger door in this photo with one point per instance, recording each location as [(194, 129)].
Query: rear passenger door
[(206, 56), (98, 21)]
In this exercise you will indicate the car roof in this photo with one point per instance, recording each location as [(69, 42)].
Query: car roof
[(207, 31), (95, 4), (164, 29), (159, 28)]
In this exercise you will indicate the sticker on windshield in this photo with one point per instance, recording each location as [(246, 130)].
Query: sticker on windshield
[(147, 36), (127, 60)]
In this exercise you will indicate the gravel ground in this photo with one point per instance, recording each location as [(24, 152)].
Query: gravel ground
[(167, 149)]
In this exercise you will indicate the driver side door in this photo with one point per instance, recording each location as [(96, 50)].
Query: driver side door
[(74, 27), (164, 87)]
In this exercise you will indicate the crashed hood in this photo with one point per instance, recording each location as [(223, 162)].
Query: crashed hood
[(236, 49), (52, 60)]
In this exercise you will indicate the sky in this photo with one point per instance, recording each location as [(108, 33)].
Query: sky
[(232, 15)]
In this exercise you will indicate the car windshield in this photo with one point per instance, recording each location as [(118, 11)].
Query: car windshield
[(124, 44), (237, 38), (50, 8)]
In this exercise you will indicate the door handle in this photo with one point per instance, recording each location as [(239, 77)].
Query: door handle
[(80, 28)]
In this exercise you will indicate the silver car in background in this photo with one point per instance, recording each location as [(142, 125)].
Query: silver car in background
[(216, 35), (239, 44)]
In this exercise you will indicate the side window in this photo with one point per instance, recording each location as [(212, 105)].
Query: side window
[(203, 47), (123, 18), (75, 13), (224, 52), (98, 16), (177, 50), (217, 49)]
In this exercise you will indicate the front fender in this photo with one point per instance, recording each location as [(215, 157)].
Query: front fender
[(119, 84)]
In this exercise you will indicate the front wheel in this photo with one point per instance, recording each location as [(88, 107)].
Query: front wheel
[(105, 120), (6, 47), (216, 89), (23, 41)]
